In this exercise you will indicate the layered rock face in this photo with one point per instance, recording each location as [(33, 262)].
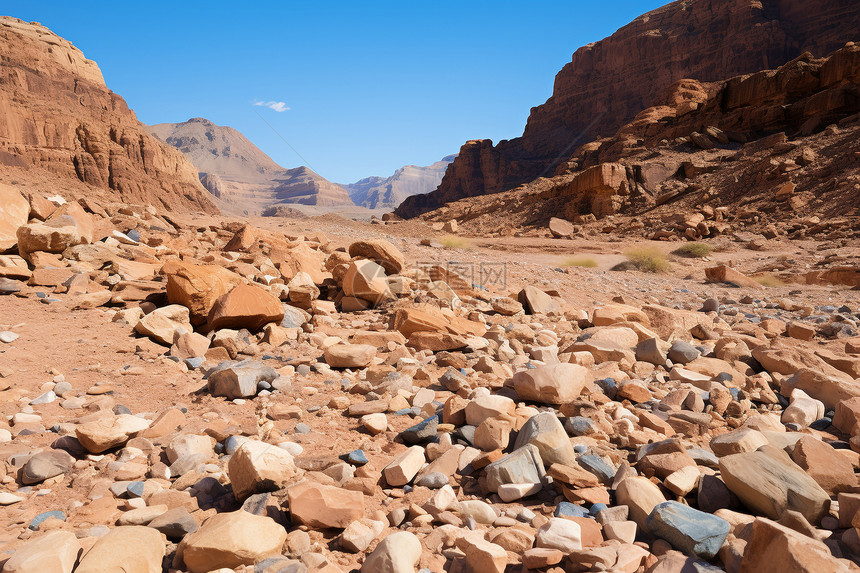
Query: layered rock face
[(389, 192), (61, 126), (607, 83), (778, 144), (241, 175)]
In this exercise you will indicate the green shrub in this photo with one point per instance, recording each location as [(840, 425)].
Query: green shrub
[(583, 262), (693, 250), (452, 242), (769, 280), (648, 259)]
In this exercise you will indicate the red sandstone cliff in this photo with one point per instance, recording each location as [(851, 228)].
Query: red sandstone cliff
[(63, 130), (607, 83)]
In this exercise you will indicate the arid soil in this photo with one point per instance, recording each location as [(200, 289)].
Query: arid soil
[(114, 370)]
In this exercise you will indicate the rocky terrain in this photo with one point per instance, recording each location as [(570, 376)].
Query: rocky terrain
[(194, 393), (61, 128), (773, 152), (389, 192), (241, 176), (645, 361), (609, 82)]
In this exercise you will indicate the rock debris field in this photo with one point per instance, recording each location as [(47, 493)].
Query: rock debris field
[(204, 394)]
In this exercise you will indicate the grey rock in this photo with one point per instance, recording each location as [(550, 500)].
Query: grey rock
[(239, 379), (597, 466), (433, 480), (421, 433), (523, 465), (44, 465), (174, 523), (689, 530), (545, 431), (682, 352)]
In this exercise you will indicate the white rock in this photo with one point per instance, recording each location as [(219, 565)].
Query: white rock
[(397, 553), (561, 534)]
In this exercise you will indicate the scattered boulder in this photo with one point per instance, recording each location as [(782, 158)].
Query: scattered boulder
[(245, 306), (229, 540)]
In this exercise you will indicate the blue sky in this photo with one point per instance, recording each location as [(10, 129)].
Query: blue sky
[(370, 86)]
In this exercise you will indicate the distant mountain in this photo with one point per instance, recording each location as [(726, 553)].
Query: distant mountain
[(241, 175), (389, 192)]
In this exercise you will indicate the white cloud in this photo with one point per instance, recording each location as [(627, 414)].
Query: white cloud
[(278, 106)]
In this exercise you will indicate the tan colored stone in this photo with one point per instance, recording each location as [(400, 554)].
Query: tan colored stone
[(230, 540), (403, 468), (54, 552), (321, 506), (366, 280), (106, 433), (381, 252), (130, 549), (349, 355), (14, 209), (551, 384), (257, 467), (163, 324)]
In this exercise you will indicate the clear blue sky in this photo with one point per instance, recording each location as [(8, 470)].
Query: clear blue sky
[(370, 86)]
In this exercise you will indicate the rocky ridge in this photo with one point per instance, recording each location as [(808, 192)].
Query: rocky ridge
[(602, 87), (389, 192), (772, 152), (240, 175), (61, 127)]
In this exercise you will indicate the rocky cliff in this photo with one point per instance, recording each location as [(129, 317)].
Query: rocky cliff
[(607, 83), (389, 192), (63, 130), (241, 175)]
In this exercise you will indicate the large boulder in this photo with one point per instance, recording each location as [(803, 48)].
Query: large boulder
[(552, 383), (245, 306), (14, 209), (55, 237), (366, 280), (774, 547), (381, 252), (545, 432), (257, 467), (55, 552), (322, 506), (197, 287), (130, 549), (230, 540), (163, 324), (770, 483)]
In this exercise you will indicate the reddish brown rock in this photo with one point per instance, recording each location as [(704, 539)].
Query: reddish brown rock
[(14, 209), (832, 470), (724, 274), (245, 306), (62, 126), (197, 287), (602, 87), (322, 506)]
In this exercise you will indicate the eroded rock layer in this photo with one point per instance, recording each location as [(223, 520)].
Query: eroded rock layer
[(61, 126), (607, 83)]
